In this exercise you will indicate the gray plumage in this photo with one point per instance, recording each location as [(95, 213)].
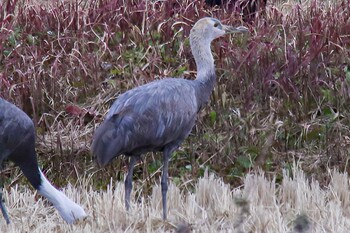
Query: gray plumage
[(158, 116), (17, 144), (13, 122), (15, 128), (148, 118)]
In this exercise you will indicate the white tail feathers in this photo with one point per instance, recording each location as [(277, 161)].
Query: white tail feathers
[(69, 210)]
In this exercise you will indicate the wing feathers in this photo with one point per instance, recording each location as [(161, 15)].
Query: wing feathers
[(147, 119)]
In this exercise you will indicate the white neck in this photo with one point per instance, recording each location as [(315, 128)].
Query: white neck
[(68, 209), (202, 55)]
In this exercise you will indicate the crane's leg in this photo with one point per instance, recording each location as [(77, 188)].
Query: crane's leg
[(128, 180), (3, 208), (164, 181), (2, 201)]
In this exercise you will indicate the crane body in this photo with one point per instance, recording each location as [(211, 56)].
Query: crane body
[(158, 116), (134, 115)]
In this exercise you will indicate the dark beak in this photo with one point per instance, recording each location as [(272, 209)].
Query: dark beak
[(230, 29)]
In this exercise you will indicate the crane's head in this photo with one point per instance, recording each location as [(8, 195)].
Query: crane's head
[(210, 28), (202, 34)]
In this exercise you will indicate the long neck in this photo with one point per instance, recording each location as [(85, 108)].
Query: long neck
[(204, 59), (69, 210), (205, 68)]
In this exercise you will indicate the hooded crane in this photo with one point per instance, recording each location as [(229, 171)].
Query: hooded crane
[(17, 143), (158, 116)]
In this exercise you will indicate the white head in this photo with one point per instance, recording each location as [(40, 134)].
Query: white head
[(69, 210), (202, 34), (210, 28)]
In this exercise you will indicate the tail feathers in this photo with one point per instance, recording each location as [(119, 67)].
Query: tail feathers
[(105, 145)]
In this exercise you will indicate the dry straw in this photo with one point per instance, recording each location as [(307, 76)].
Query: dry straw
[(297, 204)]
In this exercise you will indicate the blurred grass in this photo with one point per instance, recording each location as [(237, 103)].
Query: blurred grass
[(282, 93), (297, 204), (207, 204)]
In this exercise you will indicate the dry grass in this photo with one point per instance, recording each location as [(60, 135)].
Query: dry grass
[(282, 96), (282, 90), (297, 204)]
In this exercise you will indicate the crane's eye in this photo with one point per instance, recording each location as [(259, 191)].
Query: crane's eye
[(216, 24)]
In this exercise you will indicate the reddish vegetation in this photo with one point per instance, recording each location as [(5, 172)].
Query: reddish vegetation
[(282, 93)]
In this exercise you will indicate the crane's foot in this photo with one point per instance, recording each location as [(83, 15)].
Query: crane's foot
[(3, 209)]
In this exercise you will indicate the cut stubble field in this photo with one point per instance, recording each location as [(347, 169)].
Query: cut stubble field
[(297, 204), (281, 99)]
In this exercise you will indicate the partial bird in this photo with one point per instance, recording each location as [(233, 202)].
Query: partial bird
[(17, 144), (248, 8), (158, 116)]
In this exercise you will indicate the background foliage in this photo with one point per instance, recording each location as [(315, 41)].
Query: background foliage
[(282, 93)]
